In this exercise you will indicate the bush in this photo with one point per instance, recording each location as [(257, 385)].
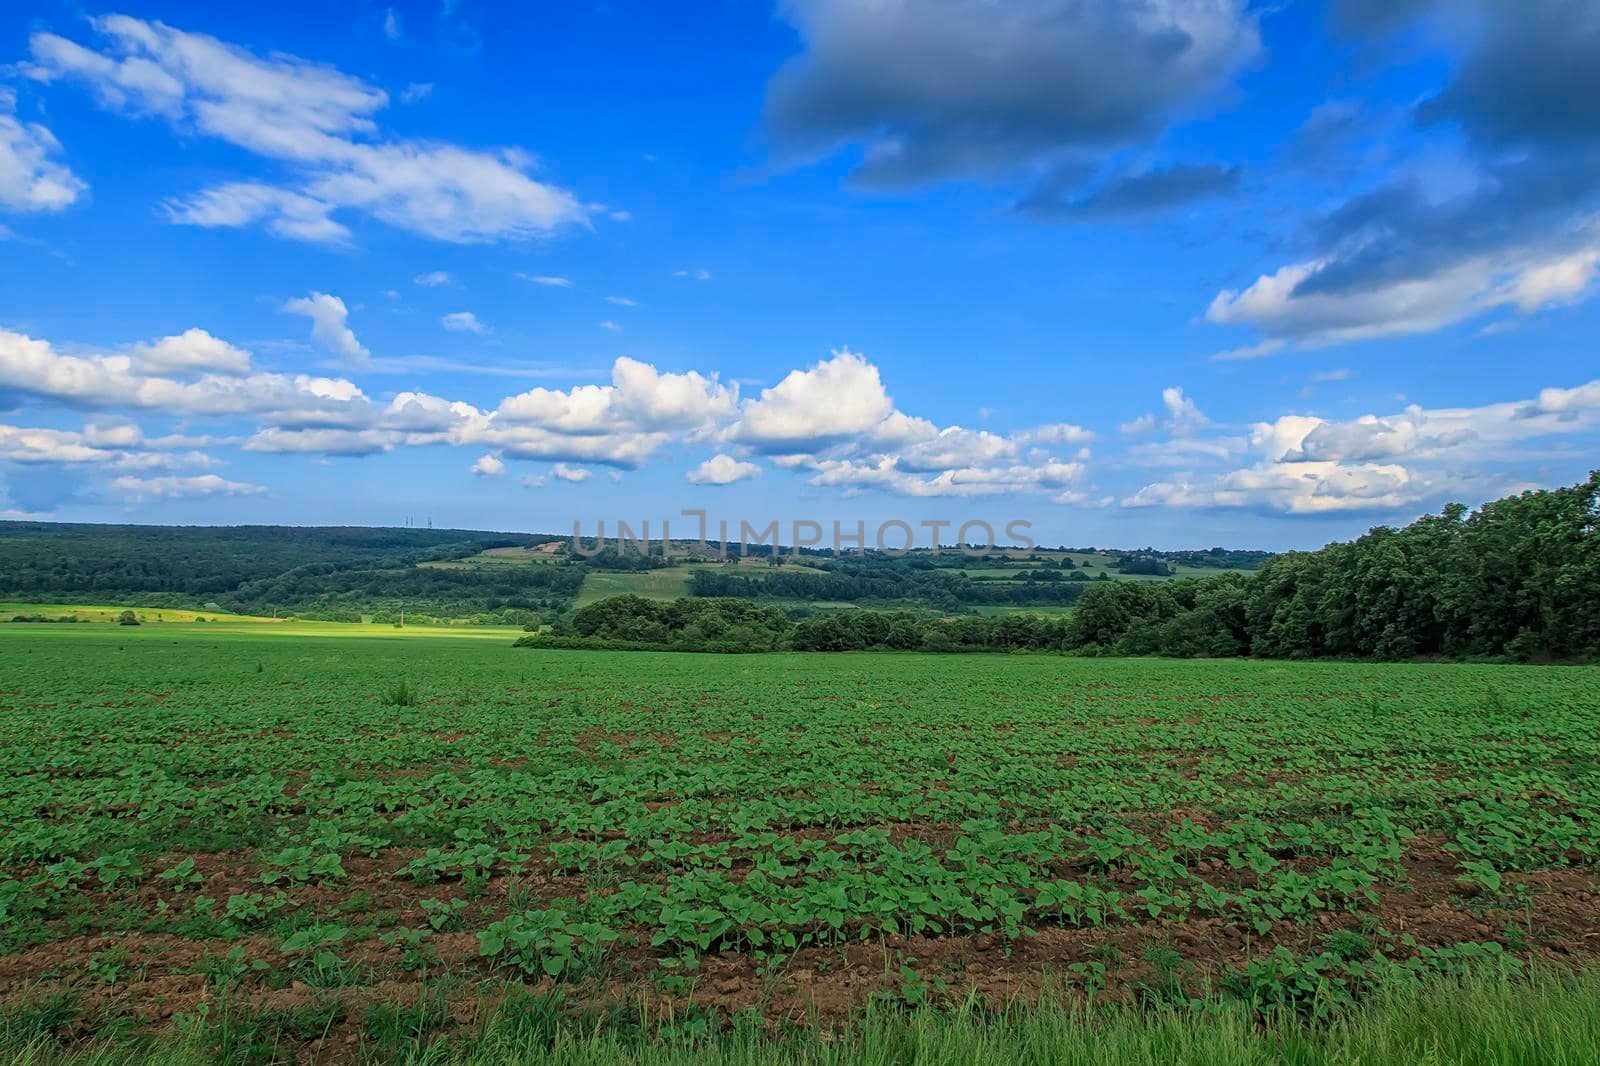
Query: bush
[(127, 618)]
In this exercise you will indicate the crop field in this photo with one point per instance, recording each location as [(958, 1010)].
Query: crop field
[(323, 829)]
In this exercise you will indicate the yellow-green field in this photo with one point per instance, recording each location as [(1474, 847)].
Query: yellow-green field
[(221, 624)]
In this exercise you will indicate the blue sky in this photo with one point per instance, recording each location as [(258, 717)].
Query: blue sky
[(1171, 272)]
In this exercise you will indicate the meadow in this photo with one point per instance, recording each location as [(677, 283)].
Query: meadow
[(266, 841)]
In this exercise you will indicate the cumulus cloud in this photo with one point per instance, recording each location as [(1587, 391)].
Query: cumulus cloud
[(434, 279), (1298, 489), (463, 322), (574, 474), (119, 447), (1183, 416), (639, 407), (837, 399), (329, 325), (319, 123), (32, 367), (1375, 463), (488, 466), (32, 179), (957, 88), (886, 474), (722, 470), (192, 351), (136, 490), (320, 441)]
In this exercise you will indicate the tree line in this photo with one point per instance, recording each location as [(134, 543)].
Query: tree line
[(901, 582), (1518, 578)]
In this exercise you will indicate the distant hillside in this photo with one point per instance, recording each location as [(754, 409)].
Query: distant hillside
[(335, 572), (348, 573)]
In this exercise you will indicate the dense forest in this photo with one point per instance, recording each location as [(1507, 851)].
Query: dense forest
[(917, 581), (333, 573), (1518, 578)]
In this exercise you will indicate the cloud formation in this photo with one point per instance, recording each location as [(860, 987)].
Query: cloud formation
[(319, 123), (330, 326), (967, 88), (32, 179), (1496, 211), (722, 470)]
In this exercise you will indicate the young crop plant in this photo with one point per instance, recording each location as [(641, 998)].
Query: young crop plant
[(555, 942)]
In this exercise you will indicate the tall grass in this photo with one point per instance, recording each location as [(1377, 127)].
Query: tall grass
[(401, 694), (1546, 1019)]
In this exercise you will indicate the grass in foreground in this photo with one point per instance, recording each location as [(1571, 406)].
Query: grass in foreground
[(1549, 1019)]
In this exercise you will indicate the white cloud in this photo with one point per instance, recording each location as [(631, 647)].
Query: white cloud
[(416, 91), (488, 466), (239, 203), (320, 441), (640, 398), (32, 367), (701, 274), (1250, 351), (315, 120), (119, 447), (1378, 463), (328, 316), (1057, 433), (835, 400), (193, 350), (30, 178), (621, 301), (611, 326), (1337, 374), (1291, 307), (434, 279), (1183, 416), (1051, 477), (722, 470), (391, 25), (551, 280), (570, 473), (135, 490), (463, 322), (1143, 424), (1296, 489)]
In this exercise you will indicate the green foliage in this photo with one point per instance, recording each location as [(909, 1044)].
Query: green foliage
[(551, 942)]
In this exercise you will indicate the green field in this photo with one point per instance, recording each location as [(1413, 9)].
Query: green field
[(255, 812)]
